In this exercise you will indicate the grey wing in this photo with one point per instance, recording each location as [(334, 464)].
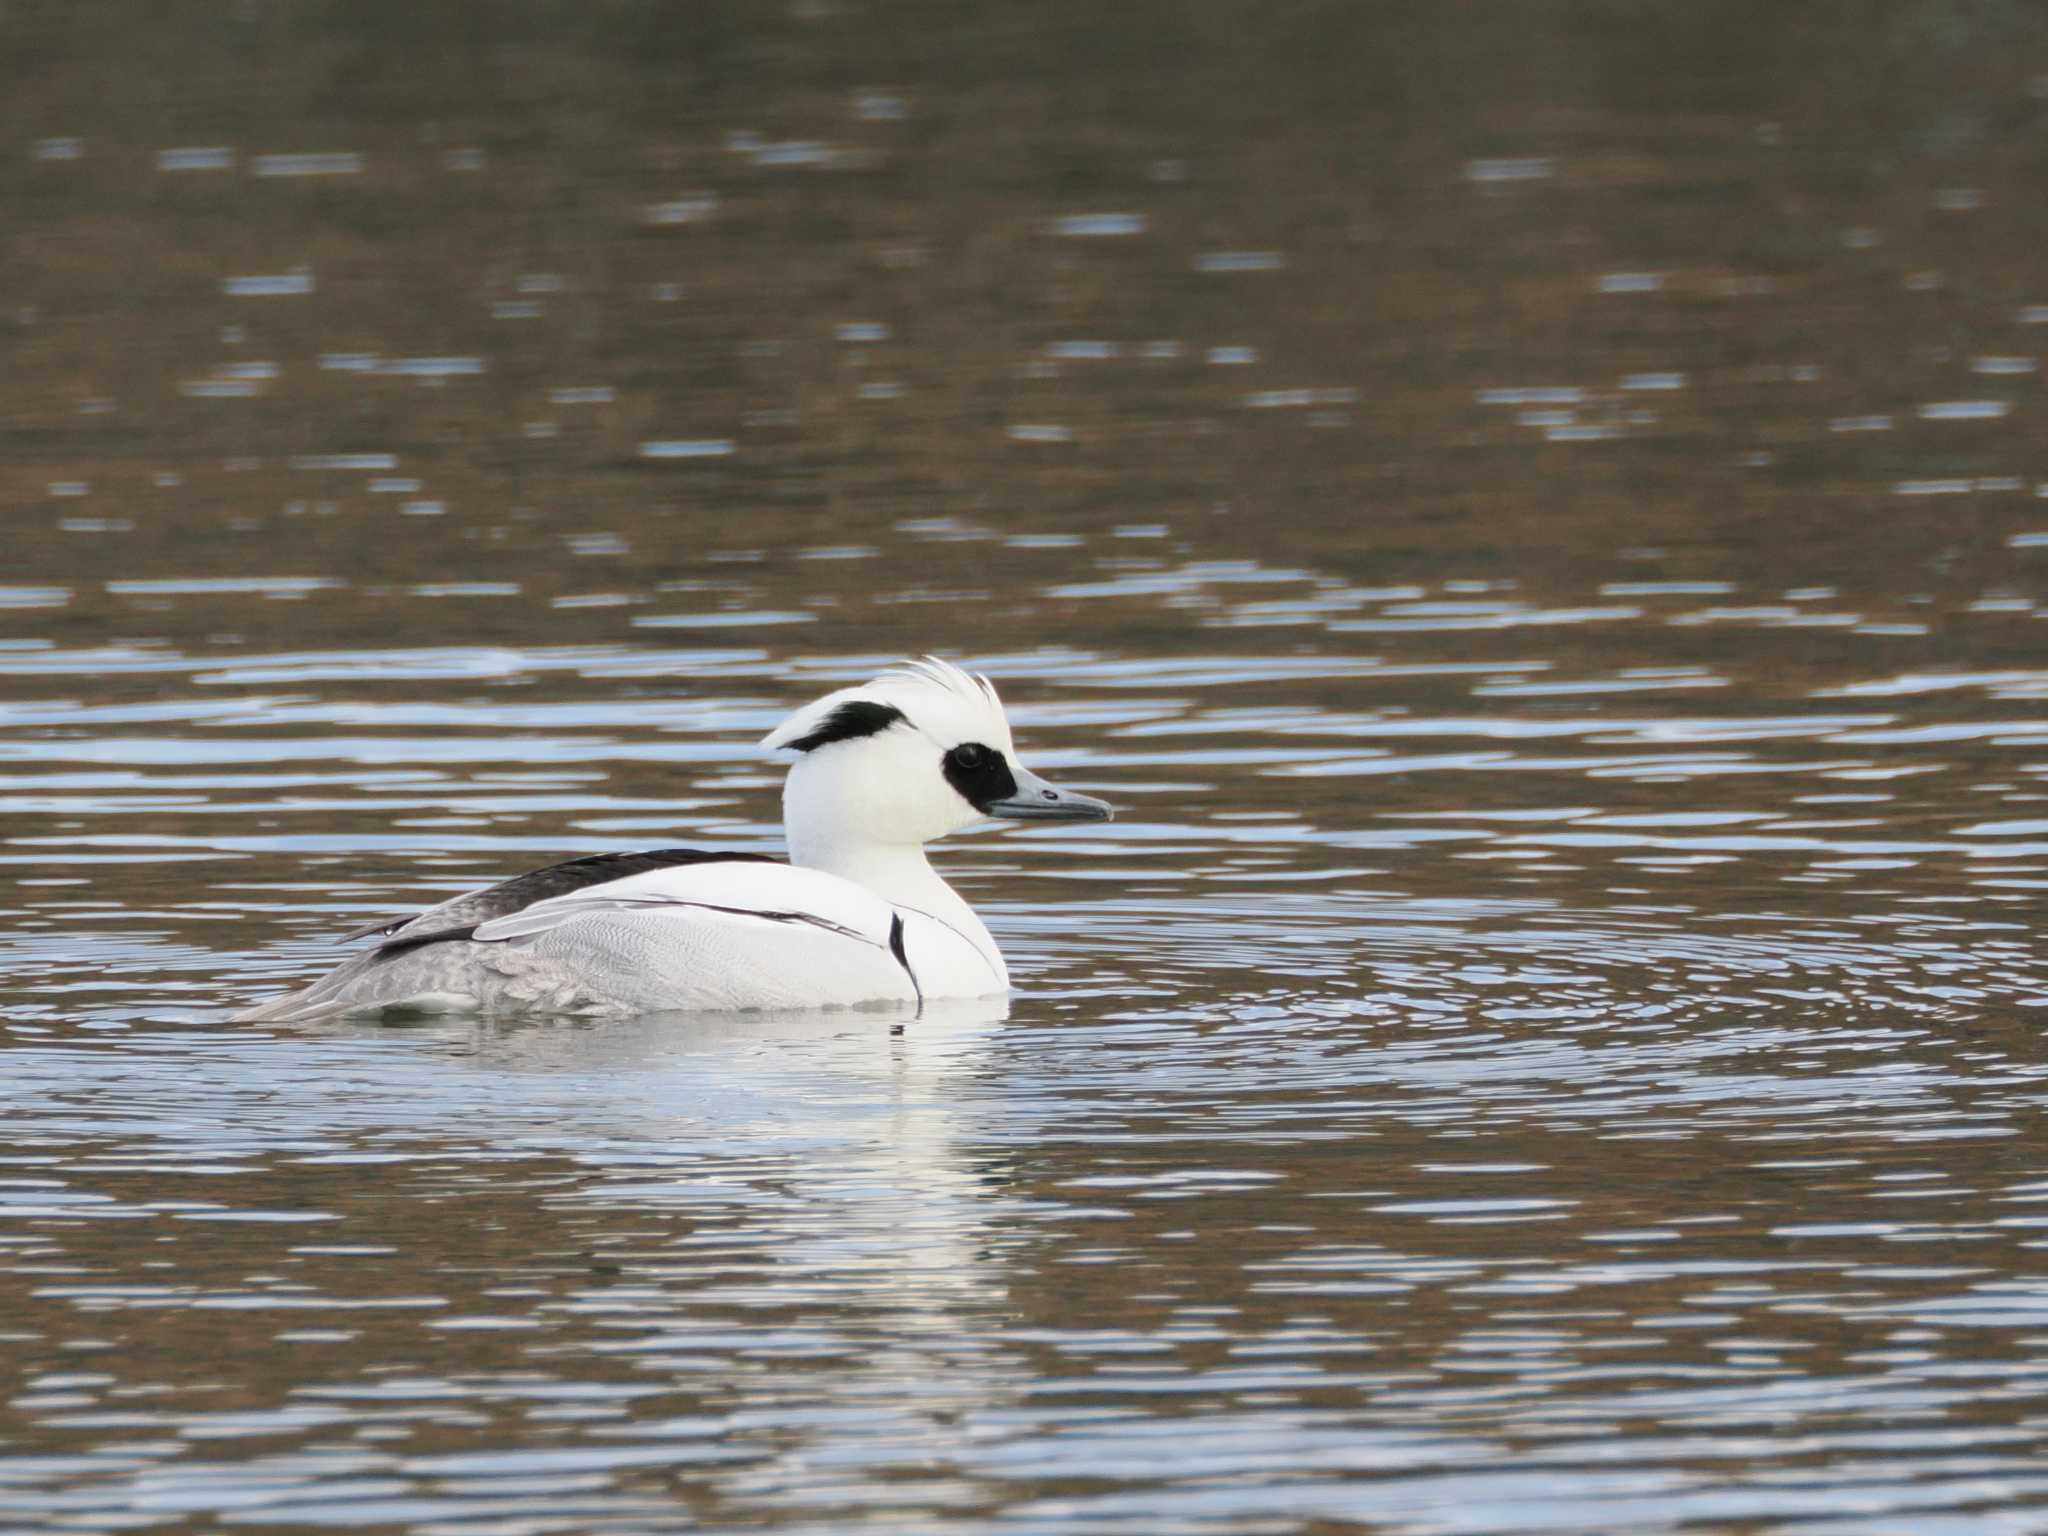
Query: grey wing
[(459, 916)]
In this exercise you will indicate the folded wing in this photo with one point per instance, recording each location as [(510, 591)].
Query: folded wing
[(719, 936)]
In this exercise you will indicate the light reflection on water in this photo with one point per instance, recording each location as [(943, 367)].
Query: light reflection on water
[(799, 1256), (1309, 1177)]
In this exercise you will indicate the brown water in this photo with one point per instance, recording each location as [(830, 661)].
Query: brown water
[(1536, 516)]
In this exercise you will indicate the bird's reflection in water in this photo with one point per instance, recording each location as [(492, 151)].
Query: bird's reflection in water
[(819, 1143)]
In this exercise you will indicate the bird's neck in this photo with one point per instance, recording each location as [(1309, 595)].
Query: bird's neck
[(899, 873)]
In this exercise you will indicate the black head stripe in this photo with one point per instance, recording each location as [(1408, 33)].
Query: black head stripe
[(849, 722), (981, 774)]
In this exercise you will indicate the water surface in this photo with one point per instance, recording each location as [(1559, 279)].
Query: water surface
[(1537, 524)]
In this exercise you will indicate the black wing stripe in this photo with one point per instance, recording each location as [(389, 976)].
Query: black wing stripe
[(412, 941), (811, 919), (406, 942)]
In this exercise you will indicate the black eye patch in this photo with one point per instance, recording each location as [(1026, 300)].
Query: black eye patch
[(980, 773)]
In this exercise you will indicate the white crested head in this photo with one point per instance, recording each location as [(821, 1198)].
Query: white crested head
[(934, 696), (922, 750)]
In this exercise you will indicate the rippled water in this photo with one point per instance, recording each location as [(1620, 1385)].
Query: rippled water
[(1538, 527)]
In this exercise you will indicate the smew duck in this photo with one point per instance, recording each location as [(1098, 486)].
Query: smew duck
[(856, 916)]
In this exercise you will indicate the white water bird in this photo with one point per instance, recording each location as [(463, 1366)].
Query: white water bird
[(856, 916)]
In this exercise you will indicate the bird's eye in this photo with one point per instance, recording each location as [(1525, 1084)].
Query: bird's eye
[(979, 773)]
